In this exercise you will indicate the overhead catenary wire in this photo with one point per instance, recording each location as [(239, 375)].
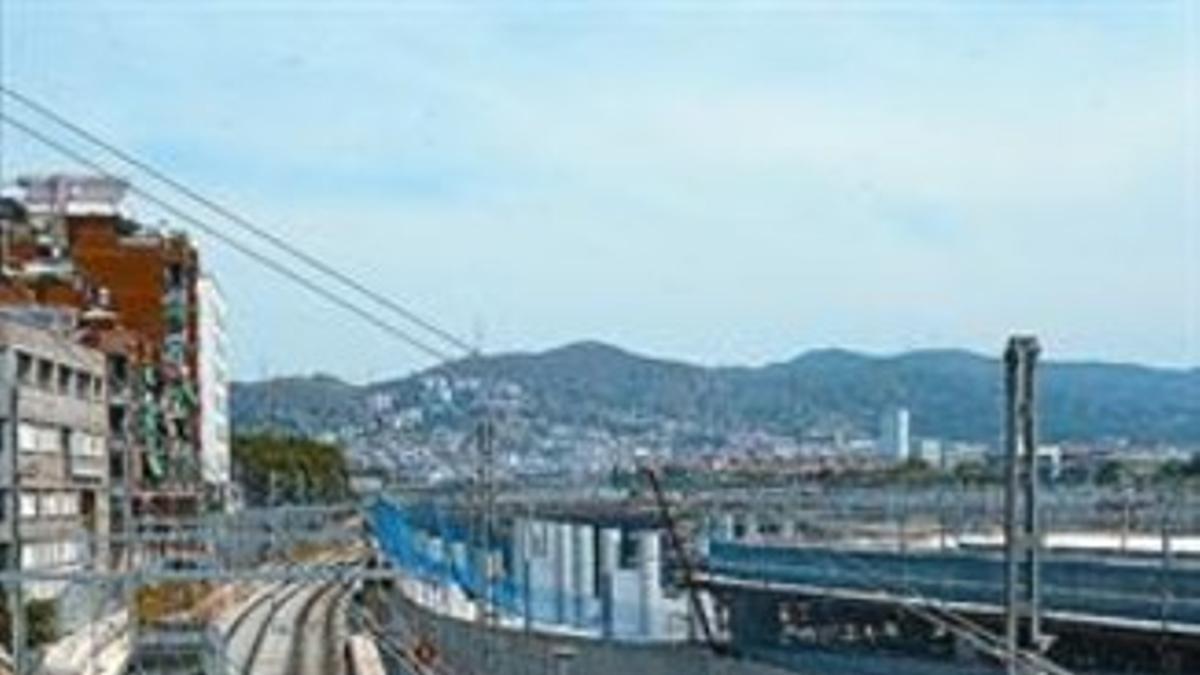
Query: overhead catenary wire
[(237, 219), (453, 347), (216, 233)]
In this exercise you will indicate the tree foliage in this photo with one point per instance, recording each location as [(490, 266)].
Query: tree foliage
[(41, 623), (1180, 472), (289, 469)]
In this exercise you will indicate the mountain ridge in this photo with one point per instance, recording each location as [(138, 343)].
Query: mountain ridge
[(952, 393)]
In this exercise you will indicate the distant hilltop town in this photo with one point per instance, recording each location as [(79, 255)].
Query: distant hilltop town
[(590, 407)]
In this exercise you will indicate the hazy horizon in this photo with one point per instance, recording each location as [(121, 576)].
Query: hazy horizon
[(717, 184), (384, 376)]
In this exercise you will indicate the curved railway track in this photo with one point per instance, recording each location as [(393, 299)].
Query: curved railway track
[(256, 662), (245, 612), (289, 629), (315, 647)]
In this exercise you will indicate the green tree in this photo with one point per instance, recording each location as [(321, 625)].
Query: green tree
[(1112, 472), (289, 469), (41, 623)]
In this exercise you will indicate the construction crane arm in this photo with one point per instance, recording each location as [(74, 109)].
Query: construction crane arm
[(685, 561)]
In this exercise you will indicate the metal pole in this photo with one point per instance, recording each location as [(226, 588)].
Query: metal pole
[(941, 509), (130, 555), (1011, 544), (526, 551), (1033, 524), (1022, 526), (1126, 516), (16, 594), (1165, 505), (487, 503)]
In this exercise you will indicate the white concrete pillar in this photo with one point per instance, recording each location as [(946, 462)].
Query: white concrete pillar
[(726, 527), (420, 543), (493, 568), (649, 584), (518, 547), (542, 571), (750, 526), (563, 572), (610, 562), (610, 551), (436, 549), (584, 557), (518, 552), (787, 528), (458, 556)]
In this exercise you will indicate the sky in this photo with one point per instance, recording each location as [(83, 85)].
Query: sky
[(721, 183)]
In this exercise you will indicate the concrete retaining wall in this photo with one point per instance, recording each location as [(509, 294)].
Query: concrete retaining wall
[(469, 647)]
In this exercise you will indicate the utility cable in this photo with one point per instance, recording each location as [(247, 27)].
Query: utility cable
[(263, 259), (242, 222)]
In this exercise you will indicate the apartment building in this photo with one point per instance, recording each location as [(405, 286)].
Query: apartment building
[(69, 244), (53, 447)]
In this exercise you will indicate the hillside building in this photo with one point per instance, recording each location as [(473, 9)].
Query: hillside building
[(894, 438)]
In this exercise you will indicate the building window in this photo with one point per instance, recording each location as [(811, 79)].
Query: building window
[(86, 445), (97, 388), (118, 368), (116, 420), (29, 505), (49, 440), (45, 374), (24, 368), (27, 437), (36, 438), (64, 380), (175, 276), (82, 384)]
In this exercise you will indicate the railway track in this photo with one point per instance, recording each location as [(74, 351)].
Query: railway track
[(316, 648), (248, 633), (288, 629), (291, 628), (273, 645)]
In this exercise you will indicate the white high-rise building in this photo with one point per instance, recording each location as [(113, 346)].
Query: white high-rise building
[(214, 388), (894, 434)]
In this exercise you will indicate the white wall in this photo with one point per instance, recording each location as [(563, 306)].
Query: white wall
[(214, 379)]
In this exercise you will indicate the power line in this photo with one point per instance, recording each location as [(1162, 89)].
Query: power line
[(241, 221), (215, 232), (458, 344), (46, 139)]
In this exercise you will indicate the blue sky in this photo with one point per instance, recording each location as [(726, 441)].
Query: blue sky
[(722, 183)]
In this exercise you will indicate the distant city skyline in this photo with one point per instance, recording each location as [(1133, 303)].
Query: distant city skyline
[(684, 180)]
